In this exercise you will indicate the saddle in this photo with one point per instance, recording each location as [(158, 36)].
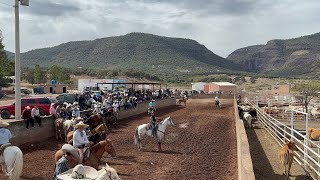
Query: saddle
[(154, 130), (2, 148)]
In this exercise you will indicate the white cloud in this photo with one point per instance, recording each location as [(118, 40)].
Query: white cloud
[(222, 26)]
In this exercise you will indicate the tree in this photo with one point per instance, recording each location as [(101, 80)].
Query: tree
[(28, 75), (6, 67), (58, 74), (37, 73), (309, 90)]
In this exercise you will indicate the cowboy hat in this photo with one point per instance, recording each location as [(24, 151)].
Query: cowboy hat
[(79, 118), (28, 107), (67, 148), (3, 124), (81, 124), (79, 172), (153, 100)]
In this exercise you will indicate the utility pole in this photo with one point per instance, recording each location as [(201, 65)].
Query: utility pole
[(17, 60)]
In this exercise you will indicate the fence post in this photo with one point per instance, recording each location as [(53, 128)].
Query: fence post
[(291, 123), (306, 142)]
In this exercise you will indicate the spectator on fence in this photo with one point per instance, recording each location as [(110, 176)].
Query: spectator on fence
[(26, 115), (36, 114)]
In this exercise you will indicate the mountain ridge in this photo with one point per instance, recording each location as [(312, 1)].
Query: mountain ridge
[(140, 51), (290, 57)]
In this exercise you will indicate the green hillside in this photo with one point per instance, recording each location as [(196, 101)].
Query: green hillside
[(143, 52)]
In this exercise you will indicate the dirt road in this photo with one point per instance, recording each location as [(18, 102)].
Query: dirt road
[(202, 145)]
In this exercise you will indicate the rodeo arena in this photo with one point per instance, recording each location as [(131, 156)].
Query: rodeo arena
[(120, 130)]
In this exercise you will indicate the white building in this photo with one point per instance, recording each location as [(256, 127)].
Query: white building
[(92, 83), (198, 86)]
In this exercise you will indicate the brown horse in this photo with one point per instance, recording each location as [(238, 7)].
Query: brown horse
[(286, 156), (314, 134), (58, 124), (182, 100), (102, 128), (96, 153), (95, 120)]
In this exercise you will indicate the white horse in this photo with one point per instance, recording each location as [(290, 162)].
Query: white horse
[(248, 118), (143, 129), (107, 173), (13, 162)]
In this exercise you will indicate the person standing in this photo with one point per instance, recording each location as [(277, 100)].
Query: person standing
[(53, 111), (36, 114), (26, 115)]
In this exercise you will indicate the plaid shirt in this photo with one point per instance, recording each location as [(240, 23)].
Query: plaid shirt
[(62, 166)]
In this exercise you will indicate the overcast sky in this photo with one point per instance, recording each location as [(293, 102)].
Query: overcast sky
[(221, 25)]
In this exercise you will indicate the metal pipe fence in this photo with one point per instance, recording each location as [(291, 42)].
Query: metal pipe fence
[(308, 154)]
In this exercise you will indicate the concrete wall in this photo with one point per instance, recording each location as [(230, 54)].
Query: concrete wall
[(245, 167), (23, 135)]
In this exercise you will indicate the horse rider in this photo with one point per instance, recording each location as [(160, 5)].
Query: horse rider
[(152, 105), (80, 139), (116, 104), (75, 110), (216, 99), (62, 165), (97, 108), (5, 136), (153, 122)]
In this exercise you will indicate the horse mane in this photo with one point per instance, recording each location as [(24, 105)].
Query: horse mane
[(95, 147), (164, 120)]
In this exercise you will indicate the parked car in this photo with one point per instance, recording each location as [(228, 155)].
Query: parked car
[(25, 91), (53, 100), (43, 104), (66, 97)]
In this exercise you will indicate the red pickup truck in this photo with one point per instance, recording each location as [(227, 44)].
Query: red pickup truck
[(43, 104)]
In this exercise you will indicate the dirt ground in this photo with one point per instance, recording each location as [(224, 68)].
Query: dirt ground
[(264, 153), (202, 145)]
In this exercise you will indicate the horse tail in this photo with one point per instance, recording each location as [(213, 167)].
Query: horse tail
[(17, 165), (136, 136)]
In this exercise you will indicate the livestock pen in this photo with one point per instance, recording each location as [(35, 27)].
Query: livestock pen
[(294, 128)]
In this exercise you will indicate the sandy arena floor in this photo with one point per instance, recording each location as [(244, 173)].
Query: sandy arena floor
[(202, 145)]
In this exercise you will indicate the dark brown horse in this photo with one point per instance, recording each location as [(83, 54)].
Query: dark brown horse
[(96, 153), (95, 120)]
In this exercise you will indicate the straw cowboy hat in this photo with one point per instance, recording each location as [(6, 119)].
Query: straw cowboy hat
[(28, 107), (3, 124), (79, 172), (81, 124), (67, 148)]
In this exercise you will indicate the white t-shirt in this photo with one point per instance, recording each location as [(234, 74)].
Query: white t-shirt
[(35, 112), (5, 135)]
